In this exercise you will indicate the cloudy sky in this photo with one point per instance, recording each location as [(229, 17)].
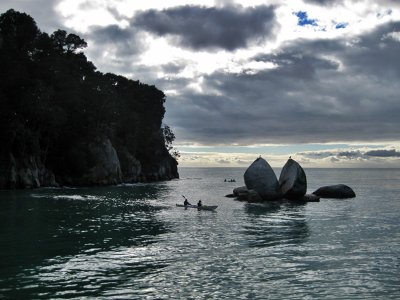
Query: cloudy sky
[(315, 79)]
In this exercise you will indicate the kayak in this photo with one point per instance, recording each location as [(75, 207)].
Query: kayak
[(203, 207)]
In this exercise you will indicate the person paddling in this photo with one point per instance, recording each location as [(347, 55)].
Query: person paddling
[(186, 202), (199, 203)]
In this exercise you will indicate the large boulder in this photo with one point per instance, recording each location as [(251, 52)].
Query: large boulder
[(310, 198), (239, 190), (253, 196), (241, 193), (292, 181), (339, 191), (261, 178), (244, 194)]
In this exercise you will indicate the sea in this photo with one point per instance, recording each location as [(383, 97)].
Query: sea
[(131, 241)]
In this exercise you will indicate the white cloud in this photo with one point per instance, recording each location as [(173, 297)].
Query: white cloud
[(80, 15), (335, 81), (356, 156), (395, 35)]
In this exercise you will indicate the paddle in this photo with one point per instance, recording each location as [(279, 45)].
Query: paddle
[(186, 200)]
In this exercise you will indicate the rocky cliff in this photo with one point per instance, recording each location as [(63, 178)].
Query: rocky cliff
[(107, 167), (62, 122)]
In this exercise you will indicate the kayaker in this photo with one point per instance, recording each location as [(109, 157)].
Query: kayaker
[(199, 203), (186, 202)]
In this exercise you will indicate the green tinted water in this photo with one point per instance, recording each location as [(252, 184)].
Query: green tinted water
[(133, 242)]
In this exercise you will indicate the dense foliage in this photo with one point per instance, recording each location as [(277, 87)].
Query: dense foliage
[(54, 102)]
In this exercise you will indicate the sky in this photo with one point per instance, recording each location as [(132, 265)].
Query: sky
[(317, 80)]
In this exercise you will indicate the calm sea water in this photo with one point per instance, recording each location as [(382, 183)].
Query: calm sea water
[(132, 242)]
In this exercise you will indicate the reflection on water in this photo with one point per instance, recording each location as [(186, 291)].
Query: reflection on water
[(132, 242), (274, 223), (67, 235)]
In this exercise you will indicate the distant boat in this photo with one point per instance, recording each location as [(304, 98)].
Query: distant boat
[(202, 207)]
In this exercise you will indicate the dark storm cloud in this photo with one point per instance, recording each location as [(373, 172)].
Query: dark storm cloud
[(173, 67), (356, 155), (111, 33), (296, 64), (376, 53), (383, 153), (324, 2), (116, 50), (198, 28), (42, 11), (125, 42), (349, 154), (333, 156), (320, 91)]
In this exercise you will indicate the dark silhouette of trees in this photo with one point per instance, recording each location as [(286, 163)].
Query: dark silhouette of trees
[(54, 102), (64, 42)]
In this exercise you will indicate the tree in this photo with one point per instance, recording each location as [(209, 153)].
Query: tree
[(55, 105), (68, 43), (169, 137), (18, 31)]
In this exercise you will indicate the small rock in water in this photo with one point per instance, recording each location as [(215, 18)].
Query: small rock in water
[(310, 198), (339, 191), (230, 196)]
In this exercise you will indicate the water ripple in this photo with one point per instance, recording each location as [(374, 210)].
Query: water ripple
[(132, 242)]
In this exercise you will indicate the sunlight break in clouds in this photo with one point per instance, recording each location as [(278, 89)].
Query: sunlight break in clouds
[(349, 157)]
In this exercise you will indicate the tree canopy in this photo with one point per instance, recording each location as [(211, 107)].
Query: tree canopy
[(53, 99)]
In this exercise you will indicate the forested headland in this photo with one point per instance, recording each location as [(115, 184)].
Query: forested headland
[(62, 122)]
